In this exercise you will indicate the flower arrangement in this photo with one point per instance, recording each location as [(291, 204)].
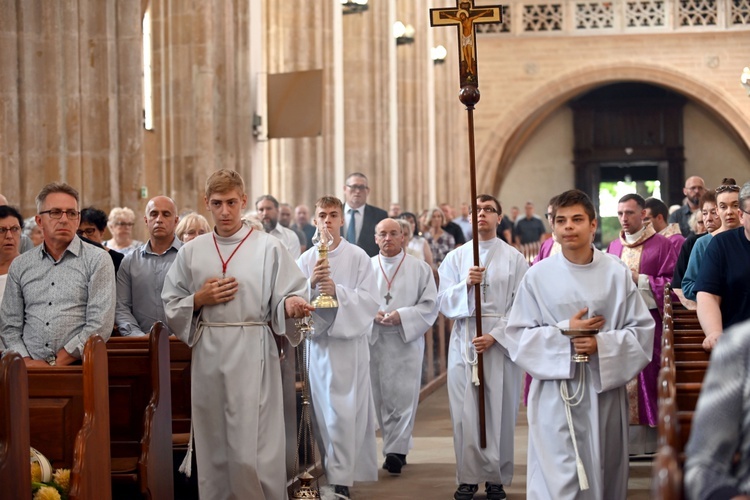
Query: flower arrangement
[(45, 484)]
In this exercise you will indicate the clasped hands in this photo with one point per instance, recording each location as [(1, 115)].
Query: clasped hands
[(585, 345), (321, 278), (388, 319)]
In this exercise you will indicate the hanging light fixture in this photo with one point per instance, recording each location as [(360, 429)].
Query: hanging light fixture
[(354, 6), (439, 54), (403, 33)]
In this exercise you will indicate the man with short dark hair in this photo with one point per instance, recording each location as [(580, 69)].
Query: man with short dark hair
[(302, 223), (530, 229), (60, 293), (578, 411), (723, 284), (360, 218), (694, 188), (656, 214), (450, 226), (651, 259), (498, 276), (285, 220), (141, 276), (268, 213)]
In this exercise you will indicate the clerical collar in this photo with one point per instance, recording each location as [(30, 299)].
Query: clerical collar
[(391, 260), (234, 238), (632, 238)]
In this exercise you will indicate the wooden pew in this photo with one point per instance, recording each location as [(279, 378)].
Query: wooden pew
[(180, 356), (69, 420), (141, 412), (15, 472)]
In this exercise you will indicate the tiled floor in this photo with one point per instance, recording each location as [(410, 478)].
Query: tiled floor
[(430, 473)]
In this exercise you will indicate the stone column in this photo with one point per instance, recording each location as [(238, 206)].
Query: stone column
[(202, 119), (69, 84)]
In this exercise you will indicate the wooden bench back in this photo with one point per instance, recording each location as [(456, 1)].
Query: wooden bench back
[(69, 420), (15, 471), (141, 412)]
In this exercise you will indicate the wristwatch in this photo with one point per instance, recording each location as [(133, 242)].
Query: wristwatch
[(52, 360)]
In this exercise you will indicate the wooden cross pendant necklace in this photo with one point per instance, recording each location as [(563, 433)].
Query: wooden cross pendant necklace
[(389, 282), (225, 263)]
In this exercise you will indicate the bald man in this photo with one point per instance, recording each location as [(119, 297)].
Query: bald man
[(693, 190), (142, 272)]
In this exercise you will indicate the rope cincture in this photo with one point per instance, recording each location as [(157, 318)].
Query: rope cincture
[(571, 401)]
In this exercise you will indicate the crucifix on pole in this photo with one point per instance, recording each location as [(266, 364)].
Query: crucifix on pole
[(465, 17)]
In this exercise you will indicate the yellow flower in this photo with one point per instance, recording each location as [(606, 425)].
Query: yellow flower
[(61, 477), (47, 493), (36, 472)]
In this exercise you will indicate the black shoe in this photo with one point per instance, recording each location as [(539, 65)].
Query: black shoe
[(494, 491), (465, 492), (341, 492), (393, 463)]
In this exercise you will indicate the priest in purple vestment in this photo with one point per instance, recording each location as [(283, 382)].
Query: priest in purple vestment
[(651, 259)]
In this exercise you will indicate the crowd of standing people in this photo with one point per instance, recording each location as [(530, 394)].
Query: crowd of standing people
[(227, 286)]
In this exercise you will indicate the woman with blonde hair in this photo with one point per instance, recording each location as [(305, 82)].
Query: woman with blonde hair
[(120, 224), (439, 240), (191, 226)]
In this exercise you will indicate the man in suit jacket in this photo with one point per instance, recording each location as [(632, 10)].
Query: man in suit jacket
[(365, 216)]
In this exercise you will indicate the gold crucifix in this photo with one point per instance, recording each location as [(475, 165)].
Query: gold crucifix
[(465, 18)]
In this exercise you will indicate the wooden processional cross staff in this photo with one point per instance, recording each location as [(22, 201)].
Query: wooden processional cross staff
[(465, 17)]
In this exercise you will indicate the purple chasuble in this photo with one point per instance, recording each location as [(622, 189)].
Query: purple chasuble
[(658, 259)]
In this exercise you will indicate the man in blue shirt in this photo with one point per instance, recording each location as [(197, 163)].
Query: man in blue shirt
[(142, 272)]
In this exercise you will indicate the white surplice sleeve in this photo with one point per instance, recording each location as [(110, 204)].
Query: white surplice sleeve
[(537, 347), (454, 299), (178, 294), (624, 351), (417, 319), (287, 281)]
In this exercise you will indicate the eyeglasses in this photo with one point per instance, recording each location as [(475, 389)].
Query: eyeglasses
[(125, 224), (56, 213), (744, 211), (14, 230), (91, 231), (357, 187), (733, 188), (487, 210)]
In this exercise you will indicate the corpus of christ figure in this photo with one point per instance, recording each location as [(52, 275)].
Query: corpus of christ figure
[(465, 17)]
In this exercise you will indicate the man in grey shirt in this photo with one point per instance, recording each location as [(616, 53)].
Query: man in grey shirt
[(142, 272), (60, 293)]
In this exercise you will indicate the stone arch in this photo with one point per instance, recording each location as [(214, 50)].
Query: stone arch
[(514, 128)]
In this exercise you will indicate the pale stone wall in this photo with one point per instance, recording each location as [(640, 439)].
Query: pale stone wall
[(711, 150), (533, 76), (70, 106)]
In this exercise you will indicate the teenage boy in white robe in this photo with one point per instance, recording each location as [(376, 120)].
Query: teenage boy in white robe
[(340, 354), (578, 449), (499, 275), (408, 308), (219, 295)]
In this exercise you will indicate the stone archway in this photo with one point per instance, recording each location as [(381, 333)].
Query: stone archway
[(514, 129)]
